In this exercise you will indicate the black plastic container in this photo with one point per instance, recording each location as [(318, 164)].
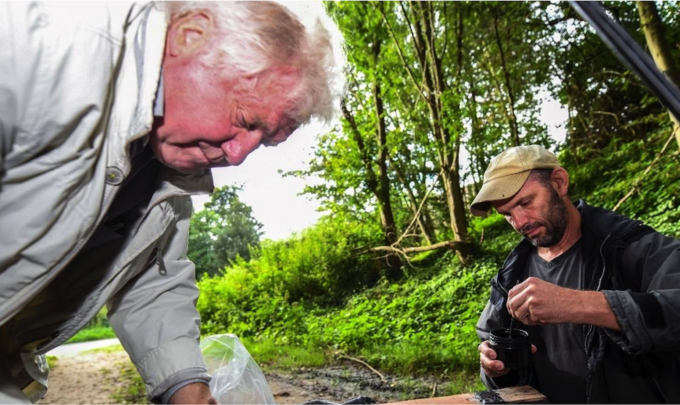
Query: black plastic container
[(514, 351)]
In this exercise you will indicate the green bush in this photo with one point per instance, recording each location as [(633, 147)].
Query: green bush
[(97, 329), (606, 176), (274, 291), (432, 314)]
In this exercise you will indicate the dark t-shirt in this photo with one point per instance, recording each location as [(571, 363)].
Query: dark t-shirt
[(560, 365)]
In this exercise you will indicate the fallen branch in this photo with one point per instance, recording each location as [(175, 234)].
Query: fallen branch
[(637, 182), (452, 244), (382, 378)]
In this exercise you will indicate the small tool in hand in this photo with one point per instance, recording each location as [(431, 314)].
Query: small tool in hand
[(512, 318)]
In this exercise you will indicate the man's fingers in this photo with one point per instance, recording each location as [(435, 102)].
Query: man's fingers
[(486, 351), (523, 314), (516, 302), (493, 365), (533, 349), (494, 368), (519, 288), (487, 356)]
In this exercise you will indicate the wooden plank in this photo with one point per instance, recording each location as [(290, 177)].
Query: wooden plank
[(454, 399), (512, 395), (521, 395)]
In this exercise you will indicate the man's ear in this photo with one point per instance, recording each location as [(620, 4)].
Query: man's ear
[(188, 33), (560, 180)]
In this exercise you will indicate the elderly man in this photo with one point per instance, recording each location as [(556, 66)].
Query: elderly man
[(110, 118), (598, 293)]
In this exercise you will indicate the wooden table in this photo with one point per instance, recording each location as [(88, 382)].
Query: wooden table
[(513, 395)]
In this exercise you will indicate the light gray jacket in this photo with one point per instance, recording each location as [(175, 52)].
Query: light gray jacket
[(77, 85)]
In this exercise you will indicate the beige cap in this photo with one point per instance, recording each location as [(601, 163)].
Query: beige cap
[(508, 172)]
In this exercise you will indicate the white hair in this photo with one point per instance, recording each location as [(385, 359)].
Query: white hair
[(264, 34)]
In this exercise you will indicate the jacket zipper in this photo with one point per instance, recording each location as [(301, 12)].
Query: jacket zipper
[(160, 262)]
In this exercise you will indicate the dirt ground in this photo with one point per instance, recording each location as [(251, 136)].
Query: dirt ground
[(91, 378), (96, 378)]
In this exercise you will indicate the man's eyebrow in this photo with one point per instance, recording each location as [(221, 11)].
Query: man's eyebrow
[(516, 203)]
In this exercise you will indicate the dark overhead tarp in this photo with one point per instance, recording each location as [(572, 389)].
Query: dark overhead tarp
[(630, 53)]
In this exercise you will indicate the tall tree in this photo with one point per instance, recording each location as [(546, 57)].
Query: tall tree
[(436, 92), (658, 47), (224, 229)]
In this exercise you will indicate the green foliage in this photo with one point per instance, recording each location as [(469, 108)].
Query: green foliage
[(52, 361), (323, 265), (270, 353), (440, 310), (605, 180), (92, 333), (433, 313), (97, 329), (223, 231)]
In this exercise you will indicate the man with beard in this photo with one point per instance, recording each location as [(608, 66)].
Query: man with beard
[(598, 293)]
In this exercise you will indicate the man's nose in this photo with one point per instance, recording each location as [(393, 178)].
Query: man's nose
[(237, 149), (519, 220)]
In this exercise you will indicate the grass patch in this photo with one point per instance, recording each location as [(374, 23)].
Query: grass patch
[(132, 390), (52, 361), (92, 333), (285, 357), (107, 349), (461, 383), (409, 359)]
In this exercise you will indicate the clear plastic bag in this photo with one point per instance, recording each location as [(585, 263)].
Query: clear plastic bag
[(236, 378)]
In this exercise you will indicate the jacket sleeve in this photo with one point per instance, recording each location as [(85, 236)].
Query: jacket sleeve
[(155, 317), (650, 318), (488, 321)]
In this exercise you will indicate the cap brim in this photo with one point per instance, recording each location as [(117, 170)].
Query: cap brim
[(499, 188)]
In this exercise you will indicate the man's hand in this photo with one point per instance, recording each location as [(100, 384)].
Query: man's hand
[(487, 359), (538, 302), (196, 393)]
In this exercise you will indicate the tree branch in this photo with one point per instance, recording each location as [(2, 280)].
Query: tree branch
[(452, 244), (382, 378), (401, 56), (637, 182)]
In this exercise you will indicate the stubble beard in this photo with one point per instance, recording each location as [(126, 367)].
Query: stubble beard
[(554, 222)]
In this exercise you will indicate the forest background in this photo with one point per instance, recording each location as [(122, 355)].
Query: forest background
[(397, 272)]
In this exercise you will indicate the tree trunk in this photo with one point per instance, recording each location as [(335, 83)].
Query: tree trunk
[(658, 47), (373, 183), (449, 154), (431, 89), (512, 117), (383, 190)]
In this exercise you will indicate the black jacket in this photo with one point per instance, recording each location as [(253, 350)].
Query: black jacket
[(638, 270)]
